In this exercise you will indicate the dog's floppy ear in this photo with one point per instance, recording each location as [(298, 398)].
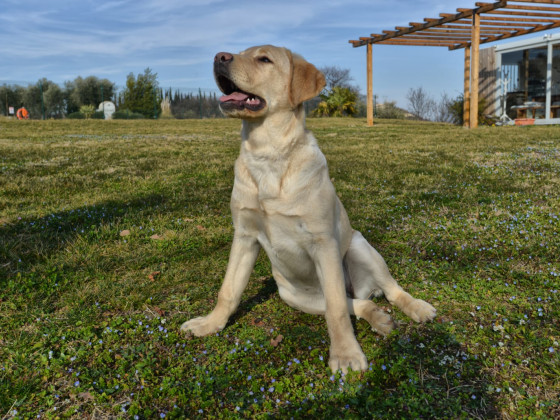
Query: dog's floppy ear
[(307, 81)]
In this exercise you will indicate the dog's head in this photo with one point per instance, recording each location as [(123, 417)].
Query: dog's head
[(264, 79)]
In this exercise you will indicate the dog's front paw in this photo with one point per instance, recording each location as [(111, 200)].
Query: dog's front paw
[(420, 311), (201, 326), (355, 360)]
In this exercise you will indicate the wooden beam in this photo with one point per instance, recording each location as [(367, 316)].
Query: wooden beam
[(428, 41), (524, 20), (436, 43), (475, 64), (444, 31), (467, 89), (369, 86), (514, 34), (494, 21), (531, 14), (538, 1), (537, 8), (450, 46), (469, 27), (437, 37), (513, 25)]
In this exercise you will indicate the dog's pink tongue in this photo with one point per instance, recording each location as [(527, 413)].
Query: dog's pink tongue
[(235, 96)]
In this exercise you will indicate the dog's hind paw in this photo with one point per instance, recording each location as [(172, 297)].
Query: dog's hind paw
[(380, 321), (420, 311)]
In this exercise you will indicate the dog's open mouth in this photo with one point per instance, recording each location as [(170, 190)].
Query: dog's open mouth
[(235, 98)]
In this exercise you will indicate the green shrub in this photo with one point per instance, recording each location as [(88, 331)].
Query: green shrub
[(456, 111), (389, 110), (127, 115), (339, 102), (87, 110), (98, 115), (76, 116)]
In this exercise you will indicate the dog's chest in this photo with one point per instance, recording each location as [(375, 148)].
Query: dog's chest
[(270, 203), (269, 177)]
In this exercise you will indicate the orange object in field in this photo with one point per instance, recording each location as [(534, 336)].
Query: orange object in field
[(22, 114)]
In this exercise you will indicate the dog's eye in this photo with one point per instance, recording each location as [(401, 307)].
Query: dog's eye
[(265, 59)]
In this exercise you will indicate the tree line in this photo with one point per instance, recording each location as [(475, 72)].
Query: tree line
[(142, 98), (53, 101)]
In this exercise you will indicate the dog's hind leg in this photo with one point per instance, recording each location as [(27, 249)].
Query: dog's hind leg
[(370, 277), (315, 304)]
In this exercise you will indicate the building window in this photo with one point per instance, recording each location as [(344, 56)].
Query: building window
[(524, 73)]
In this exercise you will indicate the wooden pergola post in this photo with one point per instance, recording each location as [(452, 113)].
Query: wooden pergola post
[(467, 89), (475, 64), (369, 86)]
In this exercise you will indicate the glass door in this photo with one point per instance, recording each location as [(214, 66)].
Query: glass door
[(523, 78)]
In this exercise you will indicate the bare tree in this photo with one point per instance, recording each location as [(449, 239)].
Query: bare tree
[(421, 104), (442, 110), (336, 76)]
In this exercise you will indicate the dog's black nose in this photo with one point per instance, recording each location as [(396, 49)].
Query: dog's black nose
[(223, 57)]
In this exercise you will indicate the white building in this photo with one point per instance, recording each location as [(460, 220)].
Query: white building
[(523, 79)]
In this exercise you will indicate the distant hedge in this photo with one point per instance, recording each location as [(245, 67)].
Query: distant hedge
[(98, 115), (127, 115)]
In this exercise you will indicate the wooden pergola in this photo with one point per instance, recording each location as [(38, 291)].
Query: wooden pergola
[(468, 28)]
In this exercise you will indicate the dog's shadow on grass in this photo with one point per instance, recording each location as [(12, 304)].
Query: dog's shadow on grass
[(419, 371), (27, 244), (264, 293), (50, 232)]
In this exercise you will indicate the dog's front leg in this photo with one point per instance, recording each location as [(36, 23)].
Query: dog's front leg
[(244, 252), (345, 352)]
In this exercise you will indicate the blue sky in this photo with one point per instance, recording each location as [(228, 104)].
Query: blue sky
[(60, 40)]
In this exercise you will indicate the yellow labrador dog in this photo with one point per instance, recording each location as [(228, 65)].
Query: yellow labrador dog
[(284, 202)]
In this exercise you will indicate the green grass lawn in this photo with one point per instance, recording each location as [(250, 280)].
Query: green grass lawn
[(113, 233)]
